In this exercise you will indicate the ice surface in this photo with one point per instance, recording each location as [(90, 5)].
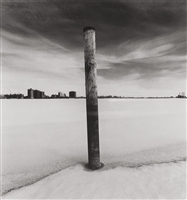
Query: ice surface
[(138, 138)]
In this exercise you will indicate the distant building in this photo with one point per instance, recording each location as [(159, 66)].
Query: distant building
[(38, 94), (54, 96), (13, 96), (30, 93), (61, 95), (42, 95), (72, 94), (181, 95), (20, 96)]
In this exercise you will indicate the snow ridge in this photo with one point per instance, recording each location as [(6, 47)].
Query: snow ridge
[(108, 166), (137, 165)]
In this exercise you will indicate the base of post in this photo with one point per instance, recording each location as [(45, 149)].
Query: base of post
[(94, 168)]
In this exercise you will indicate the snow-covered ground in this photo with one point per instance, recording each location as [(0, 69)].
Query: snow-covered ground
[(142, 143)]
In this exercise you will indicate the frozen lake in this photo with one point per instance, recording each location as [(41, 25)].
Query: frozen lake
[(142, 144)]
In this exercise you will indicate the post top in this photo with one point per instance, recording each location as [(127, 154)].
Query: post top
[(88, 28)]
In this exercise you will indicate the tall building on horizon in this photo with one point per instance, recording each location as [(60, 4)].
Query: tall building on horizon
[(72, 94), (35, 94), (60, 94), (39, 94), (30, 93)]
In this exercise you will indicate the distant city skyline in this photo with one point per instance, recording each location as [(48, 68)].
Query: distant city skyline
[(141, 46), (38, 94)]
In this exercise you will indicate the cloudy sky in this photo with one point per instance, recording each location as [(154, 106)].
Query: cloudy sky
[(141, 46)]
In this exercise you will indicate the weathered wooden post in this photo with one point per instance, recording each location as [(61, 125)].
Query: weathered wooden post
[(91, 99)]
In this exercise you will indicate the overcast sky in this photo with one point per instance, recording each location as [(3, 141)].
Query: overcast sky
[(141, 46)]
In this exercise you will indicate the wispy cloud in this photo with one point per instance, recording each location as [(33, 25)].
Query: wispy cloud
[(39, 58), (136, 40), (160, 57)]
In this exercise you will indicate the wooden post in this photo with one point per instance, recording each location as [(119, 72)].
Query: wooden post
[(91, 99)]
